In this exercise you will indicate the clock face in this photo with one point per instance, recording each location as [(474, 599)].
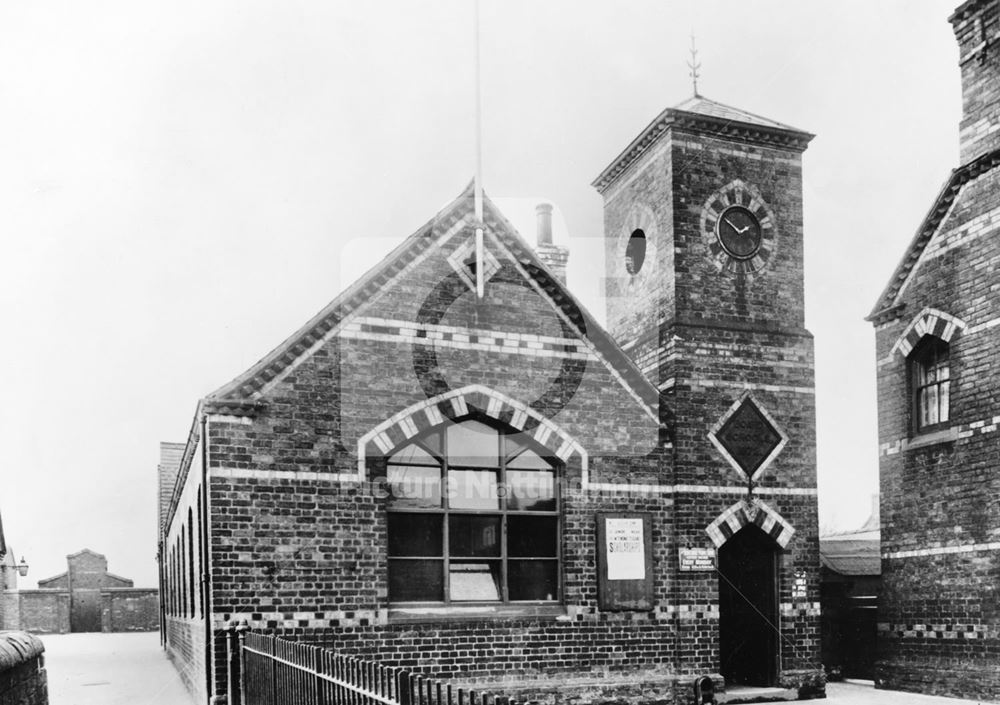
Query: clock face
[(738, 231)]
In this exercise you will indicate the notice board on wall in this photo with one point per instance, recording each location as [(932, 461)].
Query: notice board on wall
[(624, 561)]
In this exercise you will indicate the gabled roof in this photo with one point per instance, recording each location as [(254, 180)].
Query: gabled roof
[(242, 394), (86, 550), (885, 306), (700, 114)]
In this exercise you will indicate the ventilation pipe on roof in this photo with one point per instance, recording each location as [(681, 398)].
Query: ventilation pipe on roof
[(553, 256)]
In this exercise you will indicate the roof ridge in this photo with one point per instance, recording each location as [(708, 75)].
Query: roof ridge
[(277, 360), (928, 227), (772, 122)]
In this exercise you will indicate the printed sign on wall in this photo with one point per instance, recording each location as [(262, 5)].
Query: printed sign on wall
[(624, 542)]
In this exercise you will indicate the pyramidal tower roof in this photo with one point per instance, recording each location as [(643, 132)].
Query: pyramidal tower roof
[(705, 116), (711, 108)]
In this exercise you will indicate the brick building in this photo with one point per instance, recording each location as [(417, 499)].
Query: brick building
[(494, 488), (84, 598), (938, 391)]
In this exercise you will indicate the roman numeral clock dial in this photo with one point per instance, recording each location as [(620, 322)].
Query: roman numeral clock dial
[(738, 227)]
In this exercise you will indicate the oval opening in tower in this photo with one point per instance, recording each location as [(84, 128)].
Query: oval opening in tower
[(635, 252)]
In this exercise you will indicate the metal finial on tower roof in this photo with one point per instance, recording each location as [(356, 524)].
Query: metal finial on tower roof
[(694, 66)]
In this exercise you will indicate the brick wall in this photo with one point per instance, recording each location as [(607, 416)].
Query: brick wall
[(977, 30), (44, 611), (939, 621), (130, 610)]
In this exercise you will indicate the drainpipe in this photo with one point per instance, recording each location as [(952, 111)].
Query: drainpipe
[(159, 570)]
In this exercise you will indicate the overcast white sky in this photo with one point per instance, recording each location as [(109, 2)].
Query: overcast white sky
[(183, 184)]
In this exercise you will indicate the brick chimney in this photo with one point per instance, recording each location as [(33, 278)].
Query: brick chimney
[(553, 256), (977, 29)]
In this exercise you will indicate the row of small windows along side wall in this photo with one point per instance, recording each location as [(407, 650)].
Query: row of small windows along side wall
[(184, 565)]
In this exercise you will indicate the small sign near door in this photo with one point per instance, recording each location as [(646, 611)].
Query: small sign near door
[(697, 559), (624, 561)]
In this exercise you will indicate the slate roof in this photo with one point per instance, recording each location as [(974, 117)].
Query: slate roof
[(700, 114), (885, 306), (703, 106), (855, 552), (858, 556), (242, 394)]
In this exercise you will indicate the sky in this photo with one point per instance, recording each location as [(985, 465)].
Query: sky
[(183, 184)]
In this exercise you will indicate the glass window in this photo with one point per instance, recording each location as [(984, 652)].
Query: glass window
[(472, 517), (931, 385)]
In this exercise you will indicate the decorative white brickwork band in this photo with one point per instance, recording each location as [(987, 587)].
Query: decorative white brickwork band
[(930, 321), (744, 513), (943, 550), (456, 403), (947, 630), (957, 432), (440, 336)]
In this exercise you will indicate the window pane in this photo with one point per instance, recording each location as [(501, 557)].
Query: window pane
[(531, 489), (473, 489), (475, 581), (533, 580), (932, 404), (415, 535), (943, 401), (414, 454), (474, 536), (411, 486), (531, 536), (416, 581), (473, 443), (529, 459), (943, 371)]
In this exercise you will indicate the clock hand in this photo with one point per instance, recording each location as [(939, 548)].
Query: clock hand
[(739, 231)]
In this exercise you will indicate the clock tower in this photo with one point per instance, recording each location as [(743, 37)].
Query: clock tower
[(704, 289)]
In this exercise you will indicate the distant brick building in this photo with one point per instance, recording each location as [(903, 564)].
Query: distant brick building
[(85, 598), (937, 336), (495, 489)]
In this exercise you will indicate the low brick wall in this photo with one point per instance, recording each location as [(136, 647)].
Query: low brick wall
[(130, 610), (22, 670), (43, 611)]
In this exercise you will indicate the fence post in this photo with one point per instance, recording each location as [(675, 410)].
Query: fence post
[(234, 650), (403, 692)]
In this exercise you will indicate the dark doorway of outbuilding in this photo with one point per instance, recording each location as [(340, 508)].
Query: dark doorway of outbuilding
[(85, 611), (748, 606)]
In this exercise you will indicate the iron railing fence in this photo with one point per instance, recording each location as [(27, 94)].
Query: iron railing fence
[(269, 670)]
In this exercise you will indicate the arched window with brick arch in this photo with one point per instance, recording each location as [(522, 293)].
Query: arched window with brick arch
[(930, 384), (473, 516)]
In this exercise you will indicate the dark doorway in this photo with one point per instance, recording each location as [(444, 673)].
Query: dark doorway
[(85, 611), (748, 608)]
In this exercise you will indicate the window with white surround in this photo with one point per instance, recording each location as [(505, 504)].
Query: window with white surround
[(473, 517)]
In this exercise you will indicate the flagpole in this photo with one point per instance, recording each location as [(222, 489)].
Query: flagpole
[(480, 283)]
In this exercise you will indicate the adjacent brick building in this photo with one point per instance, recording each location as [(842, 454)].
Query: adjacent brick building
[(937, 334), (495, 489)]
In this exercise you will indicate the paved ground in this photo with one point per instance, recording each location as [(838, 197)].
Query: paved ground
[(111, 669), (115, 669), (860, 694)]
